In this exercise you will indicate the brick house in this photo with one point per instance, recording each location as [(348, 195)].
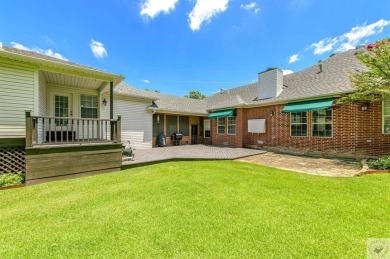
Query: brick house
[(297, 111)]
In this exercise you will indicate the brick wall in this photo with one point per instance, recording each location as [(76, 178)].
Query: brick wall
[(229, 140), (355, 132)]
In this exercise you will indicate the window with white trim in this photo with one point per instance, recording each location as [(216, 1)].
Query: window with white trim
[(322, 123), (221, 124), (298, 124), (386, 116), (89, 106), (207, 126), (231, 125)]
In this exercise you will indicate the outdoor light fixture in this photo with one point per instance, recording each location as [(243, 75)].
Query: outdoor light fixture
[(104, 102), (158, 118), (271, 113)]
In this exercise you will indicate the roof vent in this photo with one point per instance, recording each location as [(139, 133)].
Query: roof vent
[(360, 48), (320, 65)]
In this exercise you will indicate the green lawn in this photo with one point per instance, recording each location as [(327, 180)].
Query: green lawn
[(196, 209)]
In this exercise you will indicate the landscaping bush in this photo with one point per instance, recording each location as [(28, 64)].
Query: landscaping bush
[(382, 163), (11, 179)]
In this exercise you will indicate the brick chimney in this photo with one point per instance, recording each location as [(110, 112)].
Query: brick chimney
[(270, 83)]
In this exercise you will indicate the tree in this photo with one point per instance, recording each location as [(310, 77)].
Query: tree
[(156, 91), (374, 84), (195, 95)]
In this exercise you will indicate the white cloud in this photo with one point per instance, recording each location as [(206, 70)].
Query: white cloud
[(324, 45), (293, 58), (287, 71), (250, 6), (98, 49), (204, 10), (47, 52), (146, 81), (151, 8), (349, 40)]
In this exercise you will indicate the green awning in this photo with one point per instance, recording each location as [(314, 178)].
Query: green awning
[(322, 104), (224, 113)]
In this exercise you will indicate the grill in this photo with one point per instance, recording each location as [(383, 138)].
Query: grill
[(176, 138)]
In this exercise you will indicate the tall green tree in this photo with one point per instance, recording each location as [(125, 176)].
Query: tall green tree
[(195, 95), (371, 85)]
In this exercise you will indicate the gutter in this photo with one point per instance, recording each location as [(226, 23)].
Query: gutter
[(177, 112)]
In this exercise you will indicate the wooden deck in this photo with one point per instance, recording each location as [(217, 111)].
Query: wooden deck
[(57, 162)]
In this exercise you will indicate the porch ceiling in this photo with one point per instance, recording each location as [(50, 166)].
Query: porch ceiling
[(53, 78)]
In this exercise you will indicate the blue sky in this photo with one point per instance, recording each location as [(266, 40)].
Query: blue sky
[(178, 45)]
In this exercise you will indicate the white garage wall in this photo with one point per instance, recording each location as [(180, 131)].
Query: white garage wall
[(136, 120)]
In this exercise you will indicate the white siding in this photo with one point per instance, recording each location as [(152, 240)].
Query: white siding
[(136, 120), (17, 95), (270, 83), (42, 102)]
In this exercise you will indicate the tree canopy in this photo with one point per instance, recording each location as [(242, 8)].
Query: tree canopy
[(374, 84), (194, 94)]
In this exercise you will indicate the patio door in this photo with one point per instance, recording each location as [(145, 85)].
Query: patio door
[(194, 134), (62, 107)]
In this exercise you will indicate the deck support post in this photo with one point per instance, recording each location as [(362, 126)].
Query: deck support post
[(112, 109), (28, 128), (118, 130)]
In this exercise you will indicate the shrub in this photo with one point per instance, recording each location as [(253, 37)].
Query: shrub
[(382, 163), (11, 179)]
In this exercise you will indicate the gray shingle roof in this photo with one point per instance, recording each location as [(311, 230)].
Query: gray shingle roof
[(306, 84), (164, 102), (36, 55), (127, 90)]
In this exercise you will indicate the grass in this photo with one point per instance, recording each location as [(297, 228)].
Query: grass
[(196, 209)]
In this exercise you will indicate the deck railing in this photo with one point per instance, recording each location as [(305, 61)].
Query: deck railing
[(49, 130)]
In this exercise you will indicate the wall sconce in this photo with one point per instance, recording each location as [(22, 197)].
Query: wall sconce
[(104, 102), (158, 118), (364, 107), (271, 113)]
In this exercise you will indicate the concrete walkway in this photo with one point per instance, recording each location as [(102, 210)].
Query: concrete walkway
[(309, 165), (190, 152)]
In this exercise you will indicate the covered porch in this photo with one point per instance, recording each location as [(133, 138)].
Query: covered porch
[(71, 131)]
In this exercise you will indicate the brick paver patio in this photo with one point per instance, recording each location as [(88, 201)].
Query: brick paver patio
[(190, 152)]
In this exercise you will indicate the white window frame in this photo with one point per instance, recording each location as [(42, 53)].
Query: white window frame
[(92, 107), (207, 127), (307, 125), (231, 125), (312, 125), (221, 125)]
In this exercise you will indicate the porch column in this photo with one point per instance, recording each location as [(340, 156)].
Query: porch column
[(111, 100), (112, 110)]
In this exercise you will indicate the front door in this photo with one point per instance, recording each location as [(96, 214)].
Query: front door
[(61, 107), (194, 134)]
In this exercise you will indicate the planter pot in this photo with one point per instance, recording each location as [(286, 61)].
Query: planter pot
[(13, 186)]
